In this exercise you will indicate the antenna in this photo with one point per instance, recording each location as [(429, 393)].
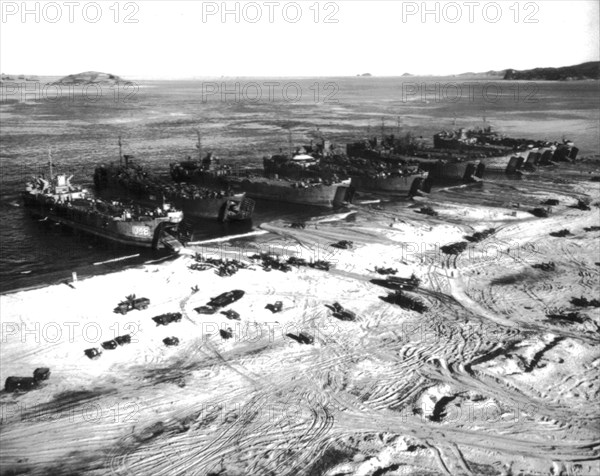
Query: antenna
[(454, 120), (398, 124), (120, 151), (199, 145), (382, 129), (50, 163), (290, 140)]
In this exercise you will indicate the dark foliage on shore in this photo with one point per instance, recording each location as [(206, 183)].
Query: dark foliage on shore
[(590, 70)]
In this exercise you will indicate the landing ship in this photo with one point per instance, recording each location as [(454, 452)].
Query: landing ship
[(57, 200), (262, 184), (127, 177)]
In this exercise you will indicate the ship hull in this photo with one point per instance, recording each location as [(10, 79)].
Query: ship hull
[(135, 233), (443, 172), (400, 185), (220, 208), (319, 195), (212, 208)]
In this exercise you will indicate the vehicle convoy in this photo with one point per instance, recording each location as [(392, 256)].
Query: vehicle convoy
[(57, 200), (136, 181), (23, 384), (207, 171)]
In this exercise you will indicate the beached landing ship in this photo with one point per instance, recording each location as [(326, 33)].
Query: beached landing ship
[(535, 156), (400, 181), (555, 151), (365, 174), (456, 170), (502, 154), (315, 192), (369, 170), (224, 205), (57, 200), (445, 162), (207, 172), (376, 168)]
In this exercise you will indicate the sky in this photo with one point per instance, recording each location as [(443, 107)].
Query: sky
[(155, 39)]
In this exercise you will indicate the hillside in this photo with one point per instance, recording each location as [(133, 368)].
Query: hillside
[(487, 74), (590, 70)]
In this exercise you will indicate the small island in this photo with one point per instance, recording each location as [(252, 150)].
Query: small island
[(20, 77), (90, 77)]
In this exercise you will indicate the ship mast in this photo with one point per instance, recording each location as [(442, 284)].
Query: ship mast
[(382, 130), (50, 163), (199, 145), (120, 151), (290, 141)]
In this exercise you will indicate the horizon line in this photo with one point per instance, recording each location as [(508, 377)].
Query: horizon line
[(287, 76)]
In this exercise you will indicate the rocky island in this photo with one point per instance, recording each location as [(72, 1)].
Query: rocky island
[(90, 77)]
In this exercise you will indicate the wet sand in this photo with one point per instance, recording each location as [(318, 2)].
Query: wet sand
[(481, 383)]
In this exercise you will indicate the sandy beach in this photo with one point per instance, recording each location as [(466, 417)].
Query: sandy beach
[(481, 383)]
